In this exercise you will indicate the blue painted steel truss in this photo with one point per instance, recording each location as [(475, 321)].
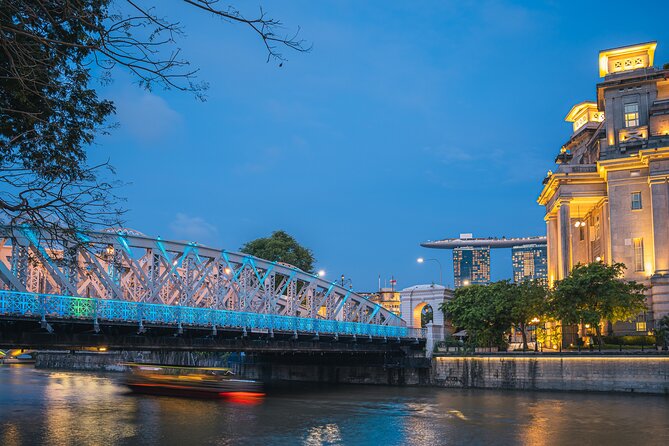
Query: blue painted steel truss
[(56, 307)]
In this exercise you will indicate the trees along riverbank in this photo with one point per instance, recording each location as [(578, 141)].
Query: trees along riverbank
[(591, 294)]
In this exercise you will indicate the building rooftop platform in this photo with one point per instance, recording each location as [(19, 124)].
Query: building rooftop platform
[(480, 242)]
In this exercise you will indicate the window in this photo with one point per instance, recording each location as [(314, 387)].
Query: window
[(638, 254), (581, 232), (636, 201), (641, 326), (632, 115)]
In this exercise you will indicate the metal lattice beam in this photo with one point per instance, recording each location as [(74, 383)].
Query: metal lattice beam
[(128, 267)]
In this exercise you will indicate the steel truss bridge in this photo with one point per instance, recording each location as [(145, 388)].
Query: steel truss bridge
[(120, 281)]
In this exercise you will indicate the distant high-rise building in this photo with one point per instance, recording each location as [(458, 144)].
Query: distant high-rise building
[(471, 266), (530, 263)]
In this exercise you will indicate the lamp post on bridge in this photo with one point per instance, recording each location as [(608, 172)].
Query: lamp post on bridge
[(344, 280), (422, 260)]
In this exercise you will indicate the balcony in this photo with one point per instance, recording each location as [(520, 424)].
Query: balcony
[(633, 135)]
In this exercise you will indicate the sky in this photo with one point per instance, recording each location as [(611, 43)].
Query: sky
[(406, 122)]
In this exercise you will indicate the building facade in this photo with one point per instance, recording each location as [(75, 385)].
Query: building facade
[(471, 266), (530, 263), (388, 298), (608, 199)]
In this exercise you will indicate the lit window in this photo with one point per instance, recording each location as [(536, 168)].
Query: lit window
[(636, 200), (638, 254), (632, 115), (641, 326)]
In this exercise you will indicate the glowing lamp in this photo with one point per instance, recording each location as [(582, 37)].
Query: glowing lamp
[(420, 260), (321, 273)]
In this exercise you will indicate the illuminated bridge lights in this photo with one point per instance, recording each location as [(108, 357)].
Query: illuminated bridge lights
[(122, 275), (37, 306)]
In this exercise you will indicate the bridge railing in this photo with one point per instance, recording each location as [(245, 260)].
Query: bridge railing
[(32, 305)]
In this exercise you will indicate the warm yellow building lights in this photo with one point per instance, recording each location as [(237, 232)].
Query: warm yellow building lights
[(626, 58), (582, 113)]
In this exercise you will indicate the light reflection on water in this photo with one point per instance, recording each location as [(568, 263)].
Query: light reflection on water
[(69, 408)]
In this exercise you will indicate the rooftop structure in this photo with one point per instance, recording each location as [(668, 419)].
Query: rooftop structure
[(489, 242), (471, 257)]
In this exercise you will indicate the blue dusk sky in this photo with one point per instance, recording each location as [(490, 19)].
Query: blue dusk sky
[(407, 121)]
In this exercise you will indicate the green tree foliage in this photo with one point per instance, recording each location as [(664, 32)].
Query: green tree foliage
[(528, 303), (426, 316), (596, 292), (51, 52), (662, 332), (476, 308), (488, 312), (281, 247)]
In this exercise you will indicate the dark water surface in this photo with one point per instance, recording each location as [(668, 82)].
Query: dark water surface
[(70, 408)]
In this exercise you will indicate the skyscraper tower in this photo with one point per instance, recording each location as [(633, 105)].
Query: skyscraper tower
[(530, 263), (471, 266)]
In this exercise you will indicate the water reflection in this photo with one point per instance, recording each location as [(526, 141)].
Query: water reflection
[(67, 408), (328, 434)]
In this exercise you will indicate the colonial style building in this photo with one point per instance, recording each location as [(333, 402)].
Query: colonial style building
[(608, 199)]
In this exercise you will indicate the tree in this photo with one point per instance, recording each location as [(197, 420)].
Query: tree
[(487, 312), (528, 303), (50, 51), (426, 316), (662, 332), (482, 310), (281, 247), (596, 292)]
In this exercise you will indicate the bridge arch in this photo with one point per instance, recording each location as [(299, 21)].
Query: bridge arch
[(415, 299)]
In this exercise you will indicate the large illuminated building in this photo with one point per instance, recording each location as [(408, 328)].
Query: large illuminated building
[(471, 257), (471, 266), (608, 199), (530, 263)]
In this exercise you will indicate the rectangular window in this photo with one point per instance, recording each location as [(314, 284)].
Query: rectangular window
[(641, 326), (636, 201), (581, 232), (638, 254), (632, 115)]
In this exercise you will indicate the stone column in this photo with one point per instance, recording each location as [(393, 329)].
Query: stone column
[(660, 279), (564, 237), (606, 233), (552, 247), (660, 202)]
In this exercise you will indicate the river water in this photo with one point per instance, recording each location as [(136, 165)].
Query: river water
[(72, 408)]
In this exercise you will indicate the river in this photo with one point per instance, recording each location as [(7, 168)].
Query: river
[(72, 408)]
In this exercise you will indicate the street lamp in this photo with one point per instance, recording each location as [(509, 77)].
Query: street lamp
[(321, 273), (422, 260)]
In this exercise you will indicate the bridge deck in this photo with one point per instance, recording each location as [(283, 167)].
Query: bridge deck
[(21, 306)]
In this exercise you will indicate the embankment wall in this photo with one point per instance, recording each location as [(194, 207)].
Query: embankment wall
[(638, 374), (641, 374)]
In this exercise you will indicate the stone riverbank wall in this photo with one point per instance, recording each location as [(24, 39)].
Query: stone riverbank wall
[(115, 361), (639, 374)]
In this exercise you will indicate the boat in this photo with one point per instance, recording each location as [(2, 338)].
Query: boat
[(19, 359), (193, 382)]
